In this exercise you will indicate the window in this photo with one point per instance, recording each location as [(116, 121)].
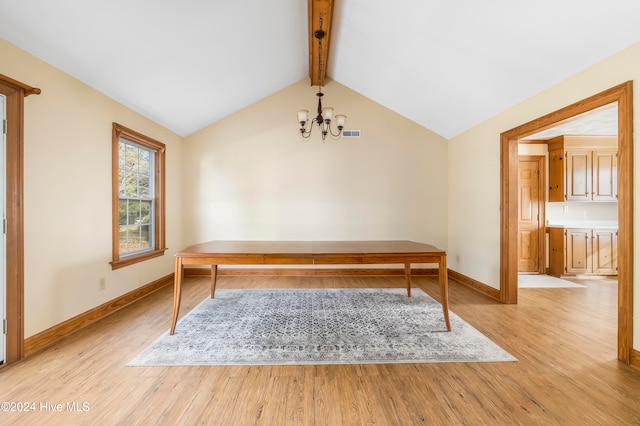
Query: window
[(138, 197)]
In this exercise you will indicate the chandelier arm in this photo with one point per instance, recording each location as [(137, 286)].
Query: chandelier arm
[(306, 134), (335, 135), (306, 130)]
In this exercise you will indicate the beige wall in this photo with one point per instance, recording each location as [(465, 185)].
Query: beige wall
[(250, 176), (67, 194), (474, 170)]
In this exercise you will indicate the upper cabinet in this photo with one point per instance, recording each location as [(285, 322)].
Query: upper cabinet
[(583, 168)]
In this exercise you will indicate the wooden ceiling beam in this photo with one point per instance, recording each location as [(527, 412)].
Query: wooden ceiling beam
[(320, 17)]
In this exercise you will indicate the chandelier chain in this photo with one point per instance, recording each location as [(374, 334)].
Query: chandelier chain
[(320, 35)]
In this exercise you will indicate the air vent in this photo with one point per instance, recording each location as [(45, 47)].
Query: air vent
[(351, 133)]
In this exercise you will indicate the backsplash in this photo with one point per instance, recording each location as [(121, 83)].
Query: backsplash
[(585, 211)]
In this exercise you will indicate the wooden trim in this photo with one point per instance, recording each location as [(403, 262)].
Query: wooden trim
[(51, 335), (508, 218), (303, 272), (14, 92), (14, 277), (625, 222), (130, 260), (623, 95), (159, 218), (26, 89), (476, 285)]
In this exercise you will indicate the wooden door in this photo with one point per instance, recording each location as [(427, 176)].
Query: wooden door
[(578, 187), (578, 247), (605, 175), (530, 204), (605, 244)]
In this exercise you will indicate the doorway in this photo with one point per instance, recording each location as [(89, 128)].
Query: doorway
[(623, 95), (14, 93)]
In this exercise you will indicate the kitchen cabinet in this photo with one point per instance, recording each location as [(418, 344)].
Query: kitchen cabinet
[(591, 251), (583, 168)]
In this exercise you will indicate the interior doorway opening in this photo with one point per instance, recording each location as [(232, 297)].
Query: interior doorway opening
[(14, 93), (623, 96)]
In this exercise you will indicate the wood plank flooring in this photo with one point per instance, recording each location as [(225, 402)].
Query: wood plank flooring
[(565, 340)]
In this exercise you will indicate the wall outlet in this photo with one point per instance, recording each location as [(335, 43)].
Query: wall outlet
[(102, 284)]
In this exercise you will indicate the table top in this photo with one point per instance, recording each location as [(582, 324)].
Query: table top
[(309, 248)]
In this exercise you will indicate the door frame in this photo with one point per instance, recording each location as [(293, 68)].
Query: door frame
[(3, 249), (15, 92), (623, 95), (542, 179)]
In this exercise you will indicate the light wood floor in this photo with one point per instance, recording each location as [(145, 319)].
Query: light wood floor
[(567, 373)]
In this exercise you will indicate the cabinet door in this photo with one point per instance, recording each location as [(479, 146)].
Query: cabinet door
[(556, 252), (579, 175), (605, 175), (556, 175), (578, 247), (605, 252)]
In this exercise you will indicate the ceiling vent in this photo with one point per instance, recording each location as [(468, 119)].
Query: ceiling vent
[(351, 133)]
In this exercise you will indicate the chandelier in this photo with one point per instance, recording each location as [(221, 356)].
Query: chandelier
[(324, 119), (325, 116)]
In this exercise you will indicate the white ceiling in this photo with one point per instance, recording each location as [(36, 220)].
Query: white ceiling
[(447, 65), (601, 121)]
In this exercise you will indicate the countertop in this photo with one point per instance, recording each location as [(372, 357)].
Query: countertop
[(599, 224)]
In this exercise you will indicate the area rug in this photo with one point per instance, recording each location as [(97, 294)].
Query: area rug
[(319, 326), (544, 281)]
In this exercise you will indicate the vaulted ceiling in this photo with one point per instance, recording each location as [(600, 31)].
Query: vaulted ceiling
[(447, 65)]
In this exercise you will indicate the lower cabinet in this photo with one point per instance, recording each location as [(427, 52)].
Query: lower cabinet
[(583, 251)]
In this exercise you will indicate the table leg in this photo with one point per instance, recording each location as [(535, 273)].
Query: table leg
[(445, 290), (407, 274), (177, 293), (214, 275)]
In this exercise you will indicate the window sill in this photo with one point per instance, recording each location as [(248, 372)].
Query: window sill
[(130, 260)]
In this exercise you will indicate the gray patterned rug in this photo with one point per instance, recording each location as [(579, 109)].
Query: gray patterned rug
[(323, 326)]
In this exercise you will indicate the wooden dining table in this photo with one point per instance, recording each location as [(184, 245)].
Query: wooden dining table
[(240, 252)]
